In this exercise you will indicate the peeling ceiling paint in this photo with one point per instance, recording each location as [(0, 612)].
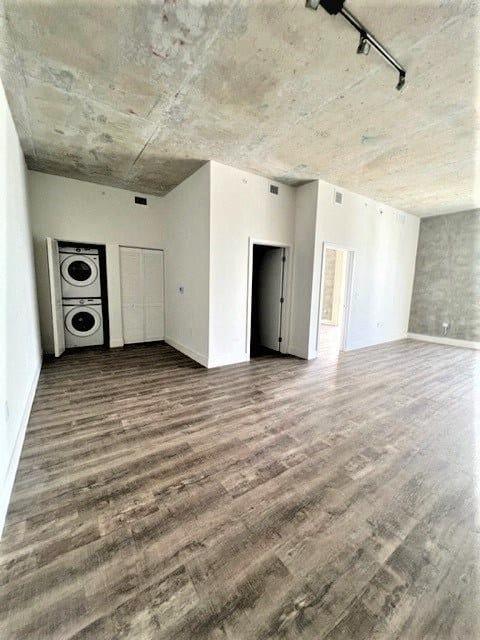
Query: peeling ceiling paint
[(139, 94)]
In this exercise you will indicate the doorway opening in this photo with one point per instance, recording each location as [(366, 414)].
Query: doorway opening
[(267, 316), (335, 290)]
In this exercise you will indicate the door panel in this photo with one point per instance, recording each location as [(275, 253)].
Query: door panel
[(154, 323), (142, 294), (55, 297), (131, 270), (153, 294), (133, 320), (270, 278)]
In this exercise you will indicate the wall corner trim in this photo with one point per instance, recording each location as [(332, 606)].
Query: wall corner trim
[(227, 361), (6, 490), (194, 355), (452, 342)]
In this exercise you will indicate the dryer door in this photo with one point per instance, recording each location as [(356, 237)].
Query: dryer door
[(79, 270), (82, 321)]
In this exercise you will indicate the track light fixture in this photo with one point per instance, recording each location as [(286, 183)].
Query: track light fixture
[(363, 45), (367, 39)]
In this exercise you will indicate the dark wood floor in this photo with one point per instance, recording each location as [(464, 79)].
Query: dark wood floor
[(273, 499)]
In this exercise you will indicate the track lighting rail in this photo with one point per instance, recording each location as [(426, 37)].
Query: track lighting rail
[(367, 39)]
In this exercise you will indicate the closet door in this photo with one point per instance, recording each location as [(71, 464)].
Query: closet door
[(131, 275), (153, 298)]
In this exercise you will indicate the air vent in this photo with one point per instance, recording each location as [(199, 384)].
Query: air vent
[(140, 200), (338, 199), (274, 189)]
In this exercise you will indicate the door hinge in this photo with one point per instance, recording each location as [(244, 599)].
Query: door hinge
[(280, 339), (284, 258), (282, 300)]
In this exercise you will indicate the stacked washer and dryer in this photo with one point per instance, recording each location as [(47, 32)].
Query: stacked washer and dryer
[(80, 270)]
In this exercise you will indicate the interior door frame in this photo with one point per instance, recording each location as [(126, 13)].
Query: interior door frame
[(287, 274), (56, 300), (131, 246), (348, 292)]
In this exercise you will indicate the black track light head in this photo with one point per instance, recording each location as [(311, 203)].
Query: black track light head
[(332, 6), (363, 45), (401, 81)]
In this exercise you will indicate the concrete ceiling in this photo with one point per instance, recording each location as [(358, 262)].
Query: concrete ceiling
[(138, 94)]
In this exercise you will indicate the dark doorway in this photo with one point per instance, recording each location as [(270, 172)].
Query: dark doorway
[(268, 276)]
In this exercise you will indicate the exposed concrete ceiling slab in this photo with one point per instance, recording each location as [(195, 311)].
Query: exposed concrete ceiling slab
[(139, 94)]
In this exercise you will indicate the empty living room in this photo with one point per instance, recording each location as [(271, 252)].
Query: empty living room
[(239, 320)]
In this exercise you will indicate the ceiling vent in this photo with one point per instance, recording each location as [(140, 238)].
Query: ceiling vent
[(338, 197)]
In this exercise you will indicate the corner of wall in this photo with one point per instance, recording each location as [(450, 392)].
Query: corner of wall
[(306, 214), (201, 358)]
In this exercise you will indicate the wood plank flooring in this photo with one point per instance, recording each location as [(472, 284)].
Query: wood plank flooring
[(274, 499)]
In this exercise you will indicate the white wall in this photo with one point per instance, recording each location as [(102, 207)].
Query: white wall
[(385, 242), (205, 226), (187, 232), (241, 208), (20, 352), (78, 211), (305, 227)]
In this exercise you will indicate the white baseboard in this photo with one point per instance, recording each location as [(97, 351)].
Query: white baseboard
[(452, 342), (227, 361), (6, 490), (357, 346), (194, 355), (116, 342)]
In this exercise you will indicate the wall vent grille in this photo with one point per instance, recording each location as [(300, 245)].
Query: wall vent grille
[(338, 197)]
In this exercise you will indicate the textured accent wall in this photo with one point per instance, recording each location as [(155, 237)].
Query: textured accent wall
[(447, 277)]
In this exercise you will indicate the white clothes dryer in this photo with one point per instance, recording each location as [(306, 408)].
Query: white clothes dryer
[(83, 322), (80, 272)]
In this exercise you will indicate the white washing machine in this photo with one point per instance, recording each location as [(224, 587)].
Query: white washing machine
[(83, 322), (80, 272)]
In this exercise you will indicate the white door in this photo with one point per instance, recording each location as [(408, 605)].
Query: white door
[(153, 295), (142, 294), (131, 274), (270, 283), (55, 297)]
